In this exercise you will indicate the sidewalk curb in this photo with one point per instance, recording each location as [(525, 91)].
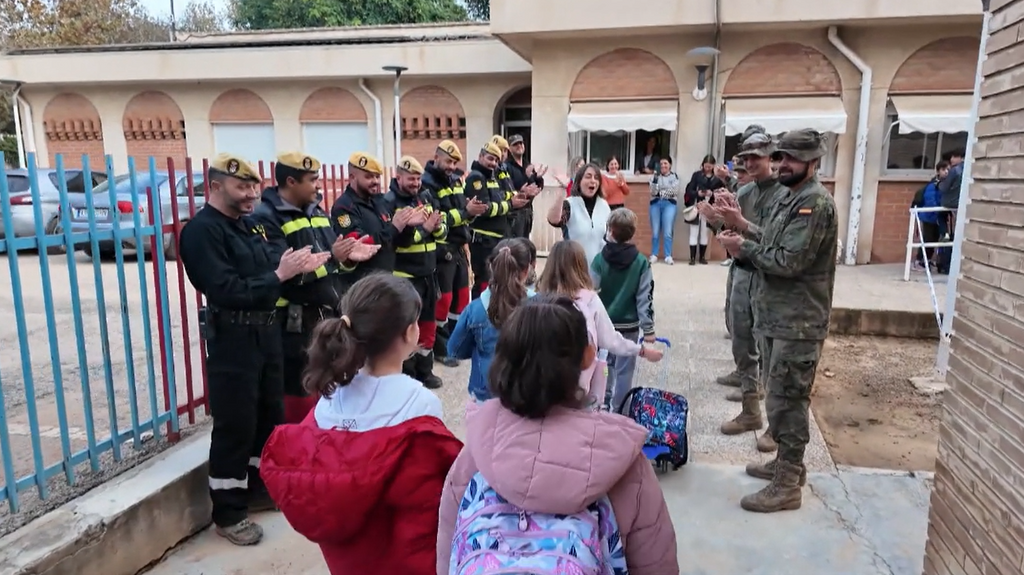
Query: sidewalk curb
[(889, 323), (121, 526)]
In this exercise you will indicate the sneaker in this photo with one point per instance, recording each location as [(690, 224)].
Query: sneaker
[(447, 361), (726, 263), (654, 259), (917, 267), (243, 533), (669, 260)]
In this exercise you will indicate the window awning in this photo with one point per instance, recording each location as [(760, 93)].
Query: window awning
[(777, 115), (931, 114), (647, 115)]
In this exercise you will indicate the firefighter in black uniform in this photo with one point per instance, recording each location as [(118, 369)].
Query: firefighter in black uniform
[(526, 179), (228, 259), (416, 259), (501, 173), (492, 226), (292, 218), (452, 265), (361, 211)]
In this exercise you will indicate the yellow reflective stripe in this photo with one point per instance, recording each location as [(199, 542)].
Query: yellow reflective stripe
[(321, 272), (346, 268), (505, 207), (487, 233), (417, 248), (455, 217), (493, 184), (441, 231), (281, 302), (417, 236), (492, 210), (397, 273), (444, 193), (294, 226), (320, 222), (459, 191)]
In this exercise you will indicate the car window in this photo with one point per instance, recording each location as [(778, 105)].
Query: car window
[(142, 181), (104, 186), (17, 183), (198, 186), (74, 178)]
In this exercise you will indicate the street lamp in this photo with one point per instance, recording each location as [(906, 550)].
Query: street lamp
[(704, 56), (398, 112)]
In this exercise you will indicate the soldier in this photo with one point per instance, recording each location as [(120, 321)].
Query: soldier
[(416, 259), (361, 211), (228, 259), (794, 253), (755, 199), (439, 178), (527, 180), (293, 219), (492, 226)]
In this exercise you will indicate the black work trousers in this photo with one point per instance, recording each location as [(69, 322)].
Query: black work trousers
[(480, 250), (522, 223), (244, 367)]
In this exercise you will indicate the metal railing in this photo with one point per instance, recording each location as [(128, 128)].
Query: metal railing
[(915, 240)]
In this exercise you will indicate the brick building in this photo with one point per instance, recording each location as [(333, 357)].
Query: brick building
[(976, 523), (543, 68)]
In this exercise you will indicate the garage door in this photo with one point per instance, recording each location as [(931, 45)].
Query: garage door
[(254, 142), (334, 142)]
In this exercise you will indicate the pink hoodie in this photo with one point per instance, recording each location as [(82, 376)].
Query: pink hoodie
[(603, 336), (561, 464)]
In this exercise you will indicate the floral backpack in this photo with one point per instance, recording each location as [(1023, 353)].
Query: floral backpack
[(493, 536)]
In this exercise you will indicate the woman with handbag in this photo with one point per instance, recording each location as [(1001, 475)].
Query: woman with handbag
[(701, 188)]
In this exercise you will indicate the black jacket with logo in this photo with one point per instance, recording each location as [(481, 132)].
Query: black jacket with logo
[(451, 198), (287, 226), (521, 179), (482, 185), (415, 247), (355, 216)]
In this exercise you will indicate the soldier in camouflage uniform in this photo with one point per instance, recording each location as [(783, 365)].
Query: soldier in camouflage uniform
[(734, 184), (794, 253)]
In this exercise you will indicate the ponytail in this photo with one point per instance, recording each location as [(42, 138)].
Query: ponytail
[(510, 260), (334, 357)]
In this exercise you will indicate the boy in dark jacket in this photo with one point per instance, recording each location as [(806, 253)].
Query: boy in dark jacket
[(625, 284), (930, 197)]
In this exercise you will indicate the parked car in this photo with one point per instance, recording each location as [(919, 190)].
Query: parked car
[(23, 218), (105, 210)]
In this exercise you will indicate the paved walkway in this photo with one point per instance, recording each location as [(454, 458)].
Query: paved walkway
[(852, 523)]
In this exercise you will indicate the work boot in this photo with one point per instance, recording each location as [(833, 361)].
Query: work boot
[(731, 380), (766, 471), (736, 395), (409, 366), (243, 533), (749, 418), (766, 443), (425, 371), (784, 493)]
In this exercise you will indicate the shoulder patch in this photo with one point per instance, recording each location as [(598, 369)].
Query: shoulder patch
[(344, 220), (805, 211), (478, 185)]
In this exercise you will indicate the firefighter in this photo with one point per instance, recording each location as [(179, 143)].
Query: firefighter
[(492, 226), (501, 172), (440, 180), (416, 259), (292, 218)]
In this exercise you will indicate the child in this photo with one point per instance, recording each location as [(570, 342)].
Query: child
[(361, 476), (545, 455), (626, 287), (476, 333), (568, 273), (531, 279)]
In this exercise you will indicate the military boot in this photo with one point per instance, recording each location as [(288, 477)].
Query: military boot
[(766, 471), (425, 371), (766, 443), (731, 380), (784, 493), (749, 418), (736, 395)]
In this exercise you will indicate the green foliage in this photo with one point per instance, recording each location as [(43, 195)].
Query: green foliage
[(271, 14), (9, 146), (478, 9), (6, 117)]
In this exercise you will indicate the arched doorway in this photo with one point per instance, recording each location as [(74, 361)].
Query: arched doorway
[(514, 116)]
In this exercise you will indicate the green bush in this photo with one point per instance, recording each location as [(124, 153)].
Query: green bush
[(9, 146)]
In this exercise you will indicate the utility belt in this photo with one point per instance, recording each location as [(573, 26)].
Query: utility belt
[(212, 317), (299, 318)]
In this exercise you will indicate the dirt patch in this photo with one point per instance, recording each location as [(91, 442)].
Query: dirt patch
[(869, 413)]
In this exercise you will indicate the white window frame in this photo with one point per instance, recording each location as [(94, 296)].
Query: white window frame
[(892, 122), (578, 148)]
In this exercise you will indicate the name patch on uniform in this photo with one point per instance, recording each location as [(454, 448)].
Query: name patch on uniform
[(478, 185), (805, 211), (344, 221)]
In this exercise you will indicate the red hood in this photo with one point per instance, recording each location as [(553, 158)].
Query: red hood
[(330, 484)]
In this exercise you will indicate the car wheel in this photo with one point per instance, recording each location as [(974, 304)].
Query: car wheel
[(53, 228), (104, 254)]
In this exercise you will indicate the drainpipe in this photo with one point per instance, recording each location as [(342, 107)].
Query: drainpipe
[(18, 135), (30, 133), (946, 333), (861, 156), (714, 109), (377, 117)]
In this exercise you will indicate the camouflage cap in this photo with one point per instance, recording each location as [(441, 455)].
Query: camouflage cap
[(758, 144), (234, 166), (803, 145), (751, 130)]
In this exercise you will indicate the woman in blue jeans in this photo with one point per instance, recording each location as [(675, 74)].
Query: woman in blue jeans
[(664, 193)]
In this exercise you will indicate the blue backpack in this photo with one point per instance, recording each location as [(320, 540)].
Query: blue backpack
[(493, 536), (664, 415)]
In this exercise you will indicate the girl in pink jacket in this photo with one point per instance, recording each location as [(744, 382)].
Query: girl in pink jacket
[(543, 454), (567, 272)]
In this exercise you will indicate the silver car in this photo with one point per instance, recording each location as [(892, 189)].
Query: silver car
[(23, 216), (124, 209)]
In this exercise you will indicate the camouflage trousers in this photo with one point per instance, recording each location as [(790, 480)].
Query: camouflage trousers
[(728, 300), (741, 313), (790, 367)]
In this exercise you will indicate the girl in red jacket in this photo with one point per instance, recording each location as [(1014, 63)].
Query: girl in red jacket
[(362, 475)]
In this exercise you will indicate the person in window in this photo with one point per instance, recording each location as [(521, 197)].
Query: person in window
[(929, 197), (574, 166), (614, 184), (701, 188), (584, 216), (649, 162), (949, 192), (664, 192)]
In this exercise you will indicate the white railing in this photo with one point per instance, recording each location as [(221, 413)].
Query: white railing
[(914, 232), (544, 235)]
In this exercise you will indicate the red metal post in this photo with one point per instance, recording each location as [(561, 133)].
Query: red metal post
[(186, 336)]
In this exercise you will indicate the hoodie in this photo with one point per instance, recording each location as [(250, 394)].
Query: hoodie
[(625, 283), (561, 464), (362, 476)]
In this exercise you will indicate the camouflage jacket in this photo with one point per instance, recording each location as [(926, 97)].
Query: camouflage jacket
[(794, 252)]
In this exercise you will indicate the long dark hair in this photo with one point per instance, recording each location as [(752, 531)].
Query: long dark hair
[(579, 176), (509, 261), (376, 311)]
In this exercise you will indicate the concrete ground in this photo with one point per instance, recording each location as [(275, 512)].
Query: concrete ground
[(852, 522)]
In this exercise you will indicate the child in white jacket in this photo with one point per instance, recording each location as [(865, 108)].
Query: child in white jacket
[(567, 272)]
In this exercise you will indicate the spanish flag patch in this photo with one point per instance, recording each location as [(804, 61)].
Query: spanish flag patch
[(805, 211)]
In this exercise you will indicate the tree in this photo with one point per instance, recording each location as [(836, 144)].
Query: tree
[(478, 9), (202, 16), (270, 14), (53, 23)]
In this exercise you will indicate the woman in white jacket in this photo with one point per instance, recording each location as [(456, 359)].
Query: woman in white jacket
[(583, 217), (665, 187)]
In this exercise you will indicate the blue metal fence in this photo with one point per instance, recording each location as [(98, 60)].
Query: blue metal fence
[(53, 420)]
